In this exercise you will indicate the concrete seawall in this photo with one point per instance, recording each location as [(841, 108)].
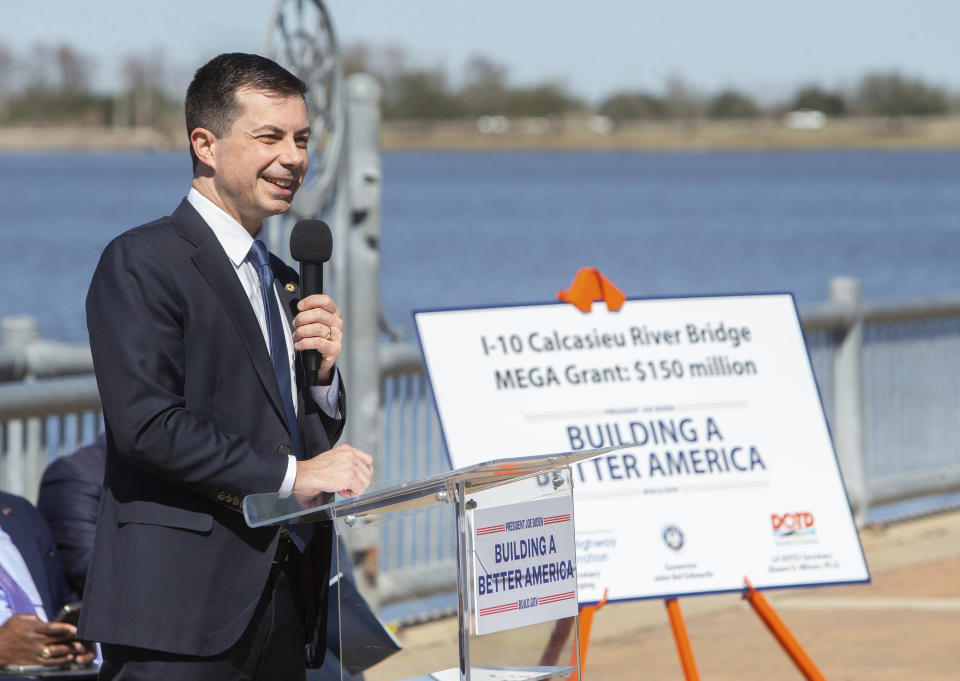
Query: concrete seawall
[(572, 133)]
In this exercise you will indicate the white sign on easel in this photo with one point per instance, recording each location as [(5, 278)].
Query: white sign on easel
[(732, 473)]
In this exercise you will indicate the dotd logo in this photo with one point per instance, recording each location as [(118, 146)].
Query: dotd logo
[(792, 523)]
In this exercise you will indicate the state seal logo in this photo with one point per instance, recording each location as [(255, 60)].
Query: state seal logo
[(673, 537)]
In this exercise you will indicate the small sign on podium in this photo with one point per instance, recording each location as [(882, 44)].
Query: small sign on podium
[(524, 564)]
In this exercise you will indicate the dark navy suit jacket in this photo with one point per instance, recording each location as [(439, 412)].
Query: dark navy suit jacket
[(69, 497), (194, 422), (29, 533)]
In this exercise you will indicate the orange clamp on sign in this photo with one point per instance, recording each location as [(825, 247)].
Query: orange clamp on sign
[(590, 285), (506, 468)]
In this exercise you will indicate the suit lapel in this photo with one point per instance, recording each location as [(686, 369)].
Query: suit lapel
[(287, 288), (289, 292), (219, 273)]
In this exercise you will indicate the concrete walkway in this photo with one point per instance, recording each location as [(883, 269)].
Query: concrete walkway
[(905, 625)]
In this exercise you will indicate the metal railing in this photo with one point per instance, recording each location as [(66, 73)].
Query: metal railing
[(417, 557), (887, 372), (25, 356), (40, 421)]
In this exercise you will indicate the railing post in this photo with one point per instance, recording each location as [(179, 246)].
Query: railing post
[(36, 459), (848, 396), (17, 332), (362, 290), (22, 450), (14, 459)]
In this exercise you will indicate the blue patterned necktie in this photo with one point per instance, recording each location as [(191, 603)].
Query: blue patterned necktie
[(19, 600), (278, 345)]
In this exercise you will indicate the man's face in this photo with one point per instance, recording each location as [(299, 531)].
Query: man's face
[(261, 162)]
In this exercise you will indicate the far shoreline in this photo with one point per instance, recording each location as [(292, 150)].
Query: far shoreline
[(539, 134)]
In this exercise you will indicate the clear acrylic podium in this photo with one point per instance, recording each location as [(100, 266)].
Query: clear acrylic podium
[(530, 652)]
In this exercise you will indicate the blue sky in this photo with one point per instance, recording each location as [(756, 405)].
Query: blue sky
[(767, 47)]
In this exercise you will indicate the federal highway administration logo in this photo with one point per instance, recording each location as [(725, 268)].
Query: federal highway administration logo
[(673, 537)]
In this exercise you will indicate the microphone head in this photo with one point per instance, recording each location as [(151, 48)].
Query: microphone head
[(311, 241)]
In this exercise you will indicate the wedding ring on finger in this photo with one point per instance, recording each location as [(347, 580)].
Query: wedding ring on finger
[(45, 653)]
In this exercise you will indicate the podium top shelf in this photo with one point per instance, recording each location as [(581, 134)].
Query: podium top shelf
[(271, 508)]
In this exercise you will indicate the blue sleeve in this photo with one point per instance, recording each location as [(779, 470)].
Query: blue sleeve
[(69, 500)]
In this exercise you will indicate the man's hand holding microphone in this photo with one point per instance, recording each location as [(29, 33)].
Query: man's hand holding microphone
[(318, 334)]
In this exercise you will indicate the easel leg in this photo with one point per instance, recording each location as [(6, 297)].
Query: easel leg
[(783, 635), (682, 640), (586, 625)]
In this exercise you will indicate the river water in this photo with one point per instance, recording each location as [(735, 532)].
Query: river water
[(478, 228)]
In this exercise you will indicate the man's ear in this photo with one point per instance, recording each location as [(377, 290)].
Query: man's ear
[(204, 145)]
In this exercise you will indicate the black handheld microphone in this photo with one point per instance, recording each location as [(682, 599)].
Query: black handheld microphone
[(311, 245)]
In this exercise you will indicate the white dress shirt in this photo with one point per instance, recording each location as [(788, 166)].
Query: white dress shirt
[(236, 241)]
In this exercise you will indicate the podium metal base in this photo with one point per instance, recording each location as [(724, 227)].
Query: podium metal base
[(499, 674)]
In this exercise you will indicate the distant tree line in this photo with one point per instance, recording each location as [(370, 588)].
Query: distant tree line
[(415, 92), (52, 84), (877, 94)]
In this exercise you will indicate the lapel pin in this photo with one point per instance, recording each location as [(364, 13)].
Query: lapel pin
[(290, 287)]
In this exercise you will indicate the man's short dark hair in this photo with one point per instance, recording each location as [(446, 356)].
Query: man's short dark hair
[(211, 102)]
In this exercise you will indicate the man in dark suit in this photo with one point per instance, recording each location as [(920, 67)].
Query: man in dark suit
[(68, 499), (194, 328), (31, 573)]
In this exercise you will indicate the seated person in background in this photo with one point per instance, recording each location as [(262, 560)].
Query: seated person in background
[(32, 590), (69, 498)]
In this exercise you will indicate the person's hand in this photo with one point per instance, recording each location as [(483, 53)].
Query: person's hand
[(84, 652), (343, 469), (318, 326), (26, 639)]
